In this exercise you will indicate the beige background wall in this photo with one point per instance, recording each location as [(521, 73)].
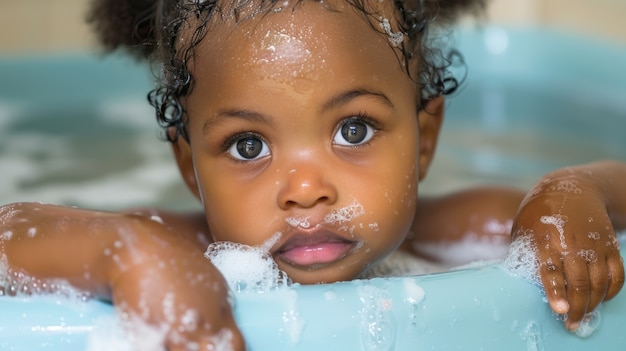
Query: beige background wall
[(31, 26)]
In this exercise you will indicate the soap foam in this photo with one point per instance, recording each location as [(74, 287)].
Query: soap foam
[(114, 333), (471, 248), (345, 214), (396, 38), (247, 268), (298, 222), (521, 260), (16, 283), (557, 221)]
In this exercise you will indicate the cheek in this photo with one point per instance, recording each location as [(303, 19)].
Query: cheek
[(236, 211), (391, 200)]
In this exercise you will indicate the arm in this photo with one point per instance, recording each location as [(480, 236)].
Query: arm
[(137, 262), (571, 217), (480, 214)]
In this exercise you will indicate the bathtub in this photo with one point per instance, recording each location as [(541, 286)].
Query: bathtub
[(76, 130)]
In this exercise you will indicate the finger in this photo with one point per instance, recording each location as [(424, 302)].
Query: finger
[(578, 289), (551, 273), (599, 279), (616, 274)]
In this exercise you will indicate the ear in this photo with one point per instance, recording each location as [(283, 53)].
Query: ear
[(184, 160), (430, 118)]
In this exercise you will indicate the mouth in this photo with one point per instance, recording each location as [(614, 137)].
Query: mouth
[(314, 249)]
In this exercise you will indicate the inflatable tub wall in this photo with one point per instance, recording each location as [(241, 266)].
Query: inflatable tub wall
[(529, 105)]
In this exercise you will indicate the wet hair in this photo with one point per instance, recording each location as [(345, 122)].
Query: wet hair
[(151, 30)]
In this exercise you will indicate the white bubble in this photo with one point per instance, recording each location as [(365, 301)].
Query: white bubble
[(521, 260), (557, 221), (594, 235), (589, 255), (396, 38), (298, 222), (471, 248), (125, 333), (374, 227), (6, 235), (31, 232), (567, 186), (345, 214), (245, 267)]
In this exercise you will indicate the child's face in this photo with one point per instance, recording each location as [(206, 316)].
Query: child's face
[(304, 123)]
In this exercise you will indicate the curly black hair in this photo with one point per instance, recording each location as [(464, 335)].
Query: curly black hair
[(150, 29)]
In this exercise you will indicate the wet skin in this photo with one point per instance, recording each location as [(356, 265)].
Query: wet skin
[(304, 123), (289, 85)]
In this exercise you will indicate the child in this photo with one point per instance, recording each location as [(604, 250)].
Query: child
[(306, 125)]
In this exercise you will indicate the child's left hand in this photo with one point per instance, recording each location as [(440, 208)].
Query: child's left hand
[(567, 218)]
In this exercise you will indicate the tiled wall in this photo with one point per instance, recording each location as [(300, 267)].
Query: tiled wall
[(31, 26)]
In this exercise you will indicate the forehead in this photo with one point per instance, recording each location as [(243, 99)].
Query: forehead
[(298, 39)]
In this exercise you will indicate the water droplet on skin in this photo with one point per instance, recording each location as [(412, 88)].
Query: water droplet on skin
[(7, 235), (32, 232), (589, 255), (374, 227)]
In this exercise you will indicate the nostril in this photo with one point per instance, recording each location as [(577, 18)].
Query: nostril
[(305, 190)]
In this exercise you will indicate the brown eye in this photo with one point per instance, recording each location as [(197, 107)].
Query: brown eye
[(248, 148), (353, 132)]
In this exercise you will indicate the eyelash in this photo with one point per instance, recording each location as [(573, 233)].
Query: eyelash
[(364, 118), (231, 140)]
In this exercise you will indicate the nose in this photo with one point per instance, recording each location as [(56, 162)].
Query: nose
[(305, 187)]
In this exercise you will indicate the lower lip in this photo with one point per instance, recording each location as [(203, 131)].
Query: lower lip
[(316, 254)]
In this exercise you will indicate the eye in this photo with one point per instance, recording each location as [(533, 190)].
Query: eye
[(248, 147), (354, 131)]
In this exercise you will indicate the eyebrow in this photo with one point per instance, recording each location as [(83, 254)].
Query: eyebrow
[(340, 99), (236, 113), (347, 96)]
